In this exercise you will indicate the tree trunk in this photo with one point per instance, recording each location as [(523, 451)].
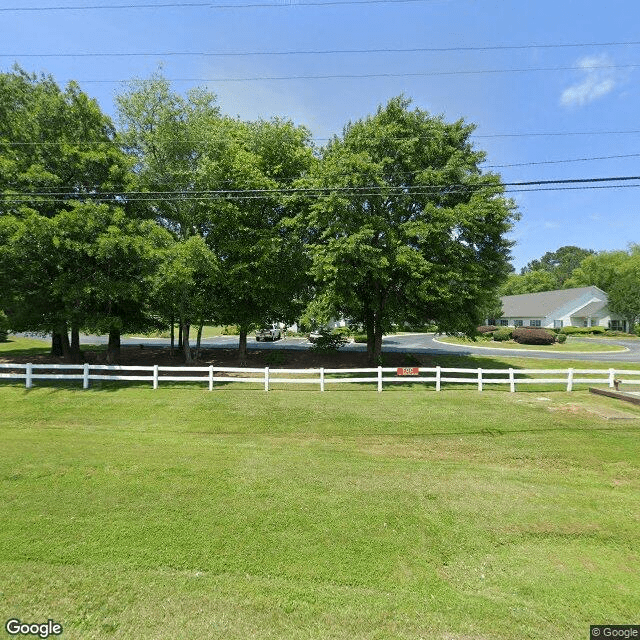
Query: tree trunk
[(180, 336), (64, 343), (75, 345), (185, 342), (199, 340), (243, 346), (370, 329), (377, 342), (113, 347), (173, 337), (56, 344)]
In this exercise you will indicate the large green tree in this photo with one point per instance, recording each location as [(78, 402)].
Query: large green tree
[(166, 135), (560, 263), (95, 268), (404, 225), (57, 149), (264, 262)]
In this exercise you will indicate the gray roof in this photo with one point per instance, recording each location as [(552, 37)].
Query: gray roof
[(540, 305), (591, 309)]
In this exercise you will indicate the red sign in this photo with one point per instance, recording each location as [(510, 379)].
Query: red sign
[(408, 371)]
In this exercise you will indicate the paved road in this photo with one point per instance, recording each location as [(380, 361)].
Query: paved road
[(414, 343)]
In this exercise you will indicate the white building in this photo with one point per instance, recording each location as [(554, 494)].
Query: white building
[(581, 307)]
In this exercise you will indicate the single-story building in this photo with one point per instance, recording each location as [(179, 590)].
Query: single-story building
[(581, 307)]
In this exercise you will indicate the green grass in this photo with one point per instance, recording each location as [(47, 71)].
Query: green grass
[(179, 513), (572, 345)]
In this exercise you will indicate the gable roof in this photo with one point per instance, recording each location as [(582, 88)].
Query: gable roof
[(537, 305)]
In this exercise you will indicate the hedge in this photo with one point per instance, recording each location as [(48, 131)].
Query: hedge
[(582, 330), (533, 335), (503, 334)]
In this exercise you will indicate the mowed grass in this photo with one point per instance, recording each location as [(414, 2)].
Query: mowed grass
[(180, 513), (574, 345)]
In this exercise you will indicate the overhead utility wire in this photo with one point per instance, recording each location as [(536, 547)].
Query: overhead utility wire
[(315, 51), (403, 189), (243, 196), (351, 76), (209, 5), (87, 188)]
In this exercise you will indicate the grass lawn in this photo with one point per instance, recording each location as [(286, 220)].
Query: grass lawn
[(179, 513), (577, 345)]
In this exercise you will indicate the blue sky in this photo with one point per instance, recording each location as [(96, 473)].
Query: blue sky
[(578, 96)]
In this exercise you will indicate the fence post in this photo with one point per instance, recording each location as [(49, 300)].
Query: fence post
[(438, 376), (155, 376), (211, 377), (612, 377), (512, 381), (266, 378), (479, 379), (85, 377), (28, 383), (379, 379), (321, 378), (569, 379)]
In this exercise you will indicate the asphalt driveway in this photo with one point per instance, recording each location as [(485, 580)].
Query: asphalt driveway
[(424, 343)]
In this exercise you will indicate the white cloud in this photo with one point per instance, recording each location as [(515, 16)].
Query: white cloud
[(596, 82), (551, 225)]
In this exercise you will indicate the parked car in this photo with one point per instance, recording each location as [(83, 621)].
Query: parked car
[(268, 333)]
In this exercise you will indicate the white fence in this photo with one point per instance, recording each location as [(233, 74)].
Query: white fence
[(321, 377)]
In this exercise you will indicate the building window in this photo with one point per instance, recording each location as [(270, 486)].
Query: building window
[(616, 325), (557, 324), (535, 323), (518, 323), (503, 323)]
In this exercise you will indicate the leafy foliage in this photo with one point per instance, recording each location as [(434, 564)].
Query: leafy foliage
[(395, 242)]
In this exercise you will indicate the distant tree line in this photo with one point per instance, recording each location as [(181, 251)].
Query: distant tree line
[(181, 215), (615, 272)]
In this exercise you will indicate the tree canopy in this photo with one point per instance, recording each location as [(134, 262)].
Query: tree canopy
[(404, 226)]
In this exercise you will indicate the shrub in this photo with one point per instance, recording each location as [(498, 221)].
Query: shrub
[(503, 334), (4, 327), (561, 338), (583, 330), (488, 328), (230, 330), (275, 358), (328, 342), (360, 337), (529, 335)]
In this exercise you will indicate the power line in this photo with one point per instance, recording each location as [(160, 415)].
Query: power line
[(316, 51), (244, 196), (420, 189), (208, 5), (403, 74)]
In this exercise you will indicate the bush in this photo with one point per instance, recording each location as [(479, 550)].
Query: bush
[(275, 358), (561, 338), (328, 342), (584, 331), (487, 328), (4, 327), (230, 330), (360, 337), (503, 334), (529, 335)]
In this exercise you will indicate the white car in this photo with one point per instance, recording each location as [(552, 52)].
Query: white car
[(268, 333)]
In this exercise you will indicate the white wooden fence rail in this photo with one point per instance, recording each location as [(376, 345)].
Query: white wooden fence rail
[(267, 377)]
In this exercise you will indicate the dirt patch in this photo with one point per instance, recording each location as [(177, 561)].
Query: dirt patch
[(274, 358)]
